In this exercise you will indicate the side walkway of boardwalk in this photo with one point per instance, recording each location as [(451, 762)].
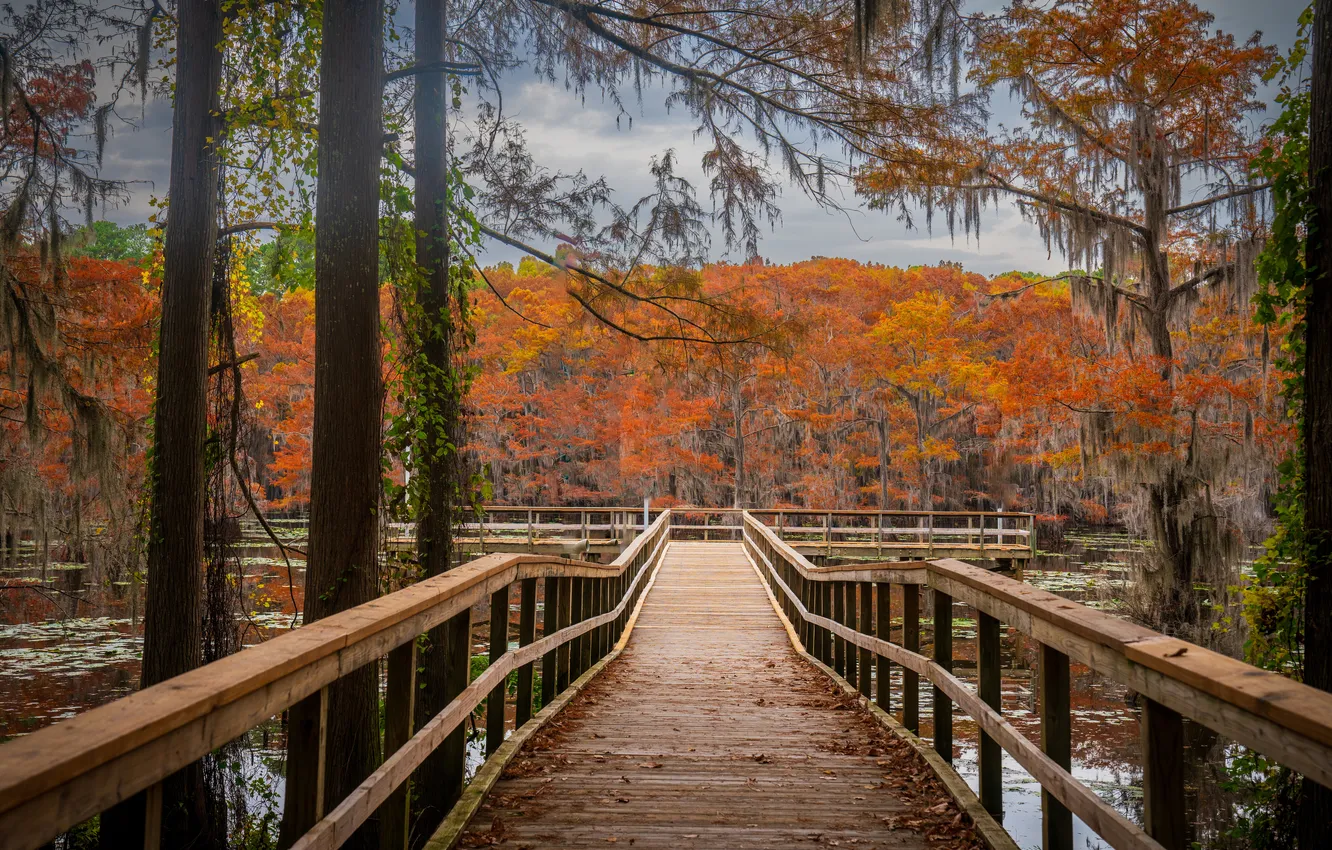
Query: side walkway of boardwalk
[(710, 731)]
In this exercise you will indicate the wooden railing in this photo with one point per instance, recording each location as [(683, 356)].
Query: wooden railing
[(60, 776), (1006, 534), (982, 534), (841, 616)]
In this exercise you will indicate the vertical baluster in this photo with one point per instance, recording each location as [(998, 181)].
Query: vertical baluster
[(152, 817), (399, 717), (576, 615), (802, 593), (943, 656), (827, 640), (550, 660), (526, 634), (911, 642), (991, 754), (565, 656), (883, 606), (307, 732), (499, 644), (866, 626), (1056, 741), (849, 612), (838, 616), (589, 611), (603, 632), (1162, 731)]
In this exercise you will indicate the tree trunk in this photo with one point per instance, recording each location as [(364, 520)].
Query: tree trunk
[(438, 781), (885, 458), (172, 640), (1315, 800), (344, 479), (738, 418)]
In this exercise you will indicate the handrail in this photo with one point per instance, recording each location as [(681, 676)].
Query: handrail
[(1287, 721), (59, 776)]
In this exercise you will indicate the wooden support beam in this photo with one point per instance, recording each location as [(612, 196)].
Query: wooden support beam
[(911, 643), (866, 626), (526, 634), (838, 616), (399, 726), (589, 612), (307, 721), (1057, 743), (848, 589), (565, 667), (1163, 775), (457, 637), (988, 688), (152, 817), (548, 627), (499, 644), (943, 656), (883, 630)]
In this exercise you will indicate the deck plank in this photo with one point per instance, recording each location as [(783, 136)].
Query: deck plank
[(710, 731)]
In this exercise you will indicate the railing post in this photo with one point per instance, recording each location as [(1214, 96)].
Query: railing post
[(838, 616), (883, 630), (1056, 741), (603, 605), (499, 644), (589, 611), (566, 614), (456, 635), (152, 817), (991, 754), (828, 639), (911, 642), (307, 734), (399, 724), (526, 634), (1163, 775), (849, 620), (943, 656), (577, 612), (802, 592), (866, 627), (550, 660)]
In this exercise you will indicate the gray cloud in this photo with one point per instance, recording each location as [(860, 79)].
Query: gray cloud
[(570, 133)]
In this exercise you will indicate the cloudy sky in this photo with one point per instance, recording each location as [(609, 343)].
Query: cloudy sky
[(569, 134)]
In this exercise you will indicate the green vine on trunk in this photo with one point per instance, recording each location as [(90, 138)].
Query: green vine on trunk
[(1274, 600), (423, 426)]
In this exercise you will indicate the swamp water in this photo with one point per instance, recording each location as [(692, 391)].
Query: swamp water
[(71, 639)]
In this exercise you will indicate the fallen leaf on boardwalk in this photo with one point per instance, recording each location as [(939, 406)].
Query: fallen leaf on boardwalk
[(612, 840), (650, 764), (621, 799), (762, 758)]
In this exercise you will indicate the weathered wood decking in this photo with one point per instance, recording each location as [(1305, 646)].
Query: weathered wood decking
[(710, 731)]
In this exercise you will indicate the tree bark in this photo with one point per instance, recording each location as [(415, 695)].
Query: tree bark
[(438, 782), (1315, 800), (172, 636), (345, 474)]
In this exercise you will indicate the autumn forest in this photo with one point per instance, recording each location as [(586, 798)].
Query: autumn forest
[(360, 308)]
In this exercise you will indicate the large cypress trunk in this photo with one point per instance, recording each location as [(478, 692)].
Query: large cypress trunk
[(439, 780), (345, 476), (1316, 801), (172, 611)]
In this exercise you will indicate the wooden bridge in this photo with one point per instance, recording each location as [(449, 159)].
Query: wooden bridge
[(694, 693), (1003, 537)]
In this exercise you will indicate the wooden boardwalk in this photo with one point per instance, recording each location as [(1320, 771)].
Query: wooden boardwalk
[(710, 731)]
